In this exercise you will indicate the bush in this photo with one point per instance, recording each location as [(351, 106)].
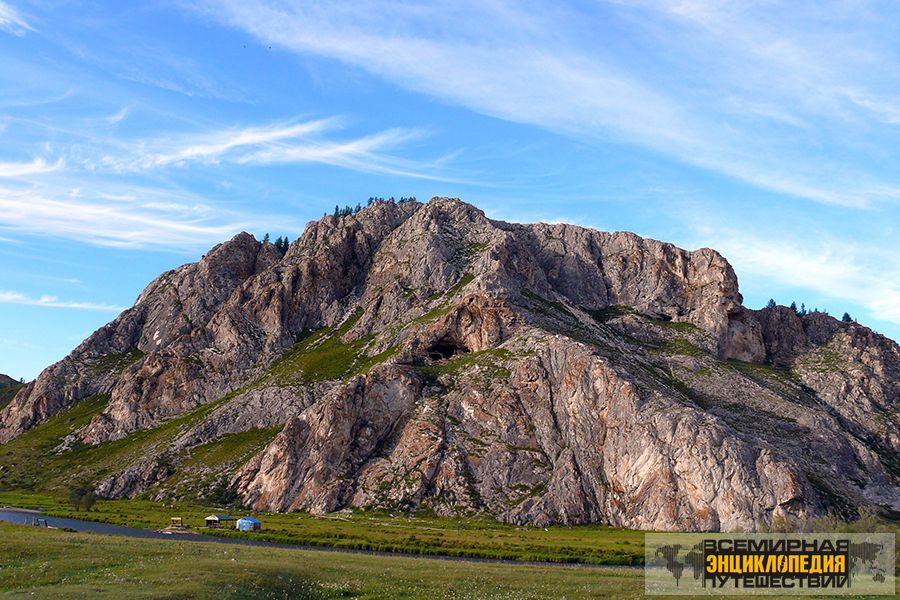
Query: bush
[(82, 496)]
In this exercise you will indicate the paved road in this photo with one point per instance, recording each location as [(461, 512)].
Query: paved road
[(26, 517)]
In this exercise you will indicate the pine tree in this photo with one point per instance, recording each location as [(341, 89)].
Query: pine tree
[(337, 211), (794, 307), (266, 239), (802, 309), (847, 318), (771, 303)]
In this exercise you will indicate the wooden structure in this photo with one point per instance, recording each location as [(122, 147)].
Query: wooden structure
[(176, 523), (218, 521)]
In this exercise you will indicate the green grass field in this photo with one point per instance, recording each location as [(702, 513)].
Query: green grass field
[(41, 563), (47, 563), (375, 530)]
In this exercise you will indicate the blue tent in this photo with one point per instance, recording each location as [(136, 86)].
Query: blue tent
[(248, 524)]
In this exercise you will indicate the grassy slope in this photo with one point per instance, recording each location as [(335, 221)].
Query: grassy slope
[(322, 355), (32, 464), (55, 564)]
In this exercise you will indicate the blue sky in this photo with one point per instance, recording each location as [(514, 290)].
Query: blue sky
[(135, 135)]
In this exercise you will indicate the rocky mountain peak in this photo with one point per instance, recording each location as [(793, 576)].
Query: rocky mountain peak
[(426, 356)]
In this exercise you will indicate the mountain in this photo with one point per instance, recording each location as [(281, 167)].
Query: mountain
[(8, 389), (425, 357)]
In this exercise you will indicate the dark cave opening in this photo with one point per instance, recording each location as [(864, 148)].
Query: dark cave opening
[(446, 348)]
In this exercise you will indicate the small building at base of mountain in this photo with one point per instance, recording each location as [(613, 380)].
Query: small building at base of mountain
[(248, 524), (218, 521)]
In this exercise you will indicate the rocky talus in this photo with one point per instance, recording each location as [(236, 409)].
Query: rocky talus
[(424, 357)]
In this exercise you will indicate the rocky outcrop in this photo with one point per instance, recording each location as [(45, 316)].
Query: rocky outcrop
[(857, 373), (558, 436), (157, 357), (427, 356), (783, 335)]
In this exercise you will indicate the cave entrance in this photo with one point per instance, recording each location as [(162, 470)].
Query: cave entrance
[(446, 348)]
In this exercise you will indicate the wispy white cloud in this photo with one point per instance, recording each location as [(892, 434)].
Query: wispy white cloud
[(560, 67), (365, 154), (118, 117), (131, 217), (208, 147), (886, 109), (278, 143), (117, 191), (36, 167), (8, 297), (23, 102), (11, 21)]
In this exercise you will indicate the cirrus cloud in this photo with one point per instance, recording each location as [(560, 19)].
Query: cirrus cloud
[(12, 22), (9, 297)]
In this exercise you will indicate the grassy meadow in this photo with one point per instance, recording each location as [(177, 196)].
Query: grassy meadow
[(47, 563), (41, 563), (472, 537)]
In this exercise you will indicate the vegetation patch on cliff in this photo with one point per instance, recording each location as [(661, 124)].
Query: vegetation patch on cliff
[(680, 346), (199, 468), (445, 306), (323, 355), (603, 315), (547, 307), (821, 360), (117, 361), (491, 360), (27, 460)]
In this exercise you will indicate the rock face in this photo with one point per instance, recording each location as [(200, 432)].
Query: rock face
[(425, 356), (8, 389)]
